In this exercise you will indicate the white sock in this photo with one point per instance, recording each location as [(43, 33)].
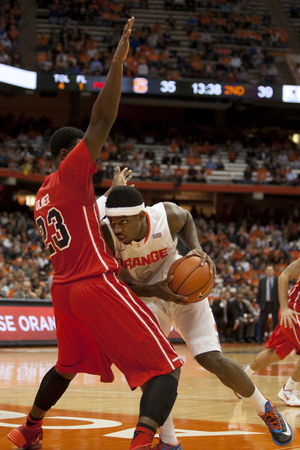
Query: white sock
[(291, 384), (167, 432), (248, 370), (258, 401)]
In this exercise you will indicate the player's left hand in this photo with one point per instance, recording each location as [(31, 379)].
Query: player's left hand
[(121, 178), (288, 317), (123, 46), (205, 258)]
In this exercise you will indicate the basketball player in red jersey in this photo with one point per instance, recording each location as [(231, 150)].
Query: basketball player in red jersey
[(286, 336), (95, 312), (144, 241)]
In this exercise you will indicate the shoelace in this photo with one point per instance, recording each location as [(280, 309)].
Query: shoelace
[(292, 391), (155, 445), (273, 420)]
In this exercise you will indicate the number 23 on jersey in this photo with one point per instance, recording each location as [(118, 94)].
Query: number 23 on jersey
[(54, 231)]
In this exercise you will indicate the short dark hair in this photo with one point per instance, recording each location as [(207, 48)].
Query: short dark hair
[(124, 196), (65, 137)]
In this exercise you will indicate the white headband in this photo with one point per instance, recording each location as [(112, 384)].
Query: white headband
[(125, 211)]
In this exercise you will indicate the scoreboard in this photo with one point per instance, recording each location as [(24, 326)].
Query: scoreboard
[(141, 86)]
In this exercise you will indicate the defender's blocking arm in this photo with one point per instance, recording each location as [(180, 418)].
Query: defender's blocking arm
[(105, 109)]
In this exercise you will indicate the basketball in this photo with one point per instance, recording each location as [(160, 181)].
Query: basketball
[(191, 279)]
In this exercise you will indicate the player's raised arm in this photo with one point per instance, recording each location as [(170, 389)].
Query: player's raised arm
[(105, 109), (181, 224), (287, 315)]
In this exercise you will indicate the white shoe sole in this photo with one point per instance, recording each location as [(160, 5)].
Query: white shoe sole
[(286, 401)]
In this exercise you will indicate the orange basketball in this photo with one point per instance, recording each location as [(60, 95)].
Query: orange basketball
[(191, 279)]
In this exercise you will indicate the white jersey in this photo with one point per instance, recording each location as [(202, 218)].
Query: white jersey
[(148, 260)]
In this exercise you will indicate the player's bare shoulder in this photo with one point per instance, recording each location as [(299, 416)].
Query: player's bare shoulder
[(107, 236), (176, 216)]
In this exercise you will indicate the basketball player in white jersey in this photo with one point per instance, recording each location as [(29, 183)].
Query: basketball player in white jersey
[(144, 242)]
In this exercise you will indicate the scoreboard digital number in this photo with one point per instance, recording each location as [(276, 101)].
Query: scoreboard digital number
[(231, 90), (188, 89)]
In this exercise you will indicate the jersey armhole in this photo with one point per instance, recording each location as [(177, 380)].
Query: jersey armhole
[(108, 235)]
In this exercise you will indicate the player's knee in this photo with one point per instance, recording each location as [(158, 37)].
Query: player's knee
[(158, 398), (51, 389), (212, 361)]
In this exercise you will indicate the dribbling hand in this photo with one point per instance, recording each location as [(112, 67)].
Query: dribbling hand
[(204, 258), (163, 291)]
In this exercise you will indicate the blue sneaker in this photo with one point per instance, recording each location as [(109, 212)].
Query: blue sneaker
[(282, 433), (162, 446)]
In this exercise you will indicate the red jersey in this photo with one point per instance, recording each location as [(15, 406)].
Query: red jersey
[(284, 340), (294, 297), (67, 216)]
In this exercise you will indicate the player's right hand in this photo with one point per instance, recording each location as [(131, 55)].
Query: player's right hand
[(163, 291), (123, 46), (288, 317), (121, 178)]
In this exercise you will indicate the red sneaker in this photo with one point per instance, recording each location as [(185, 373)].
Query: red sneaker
[(24, 437), (143, 447)]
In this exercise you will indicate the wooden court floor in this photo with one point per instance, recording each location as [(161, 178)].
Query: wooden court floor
[(93, 415)]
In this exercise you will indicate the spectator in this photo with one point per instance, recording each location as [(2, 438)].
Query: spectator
[(168, 174), (294, 11), (4, 287), (267, 299), (247, 319), (248, 174), (235, 61), (192, 174), (25, 291), (155, 172), (211, 165), (144, 171), (96, 65), (39, 291), (225, 317), (242, 75), (272, 74)]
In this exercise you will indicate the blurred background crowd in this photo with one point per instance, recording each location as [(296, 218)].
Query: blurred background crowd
[(226, 41), (163, 152)]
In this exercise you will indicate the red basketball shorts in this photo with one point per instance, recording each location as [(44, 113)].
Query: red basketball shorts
[(101, 322), (284, 340)]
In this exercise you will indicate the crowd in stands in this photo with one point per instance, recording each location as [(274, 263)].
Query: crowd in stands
[(190, 154), (24, 145), (10, 24), (227, 42), (25, 267)]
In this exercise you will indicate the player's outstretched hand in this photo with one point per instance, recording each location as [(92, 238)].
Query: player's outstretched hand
[(121, 178), (162, 290), (288, 317), (123, 46), (205, 258)]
